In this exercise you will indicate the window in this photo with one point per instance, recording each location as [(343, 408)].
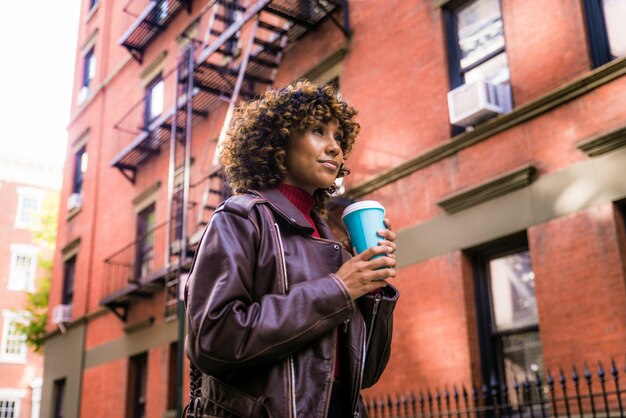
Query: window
[(10, 402), (510, 344), (154, 100), (13, 345), (89, 72), (69, 271), (145, 242), (172, 386), (136, 396), (58, 393), (28, 204), (23, 267), (80, 167), (606, 33), (476, 43)]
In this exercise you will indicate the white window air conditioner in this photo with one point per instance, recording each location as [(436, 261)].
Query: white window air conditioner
[(61, 314), (83, 93), (475, 102), (74, 201)]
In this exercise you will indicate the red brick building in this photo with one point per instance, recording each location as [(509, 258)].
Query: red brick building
[(493, 133), (26, 184)]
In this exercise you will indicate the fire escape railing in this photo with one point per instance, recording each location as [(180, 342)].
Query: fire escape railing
[(147, 19), (142, 262)]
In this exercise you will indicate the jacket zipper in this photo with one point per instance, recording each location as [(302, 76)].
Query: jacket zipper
[(290, 362), (355, 402), (366, 346), (377, 299)]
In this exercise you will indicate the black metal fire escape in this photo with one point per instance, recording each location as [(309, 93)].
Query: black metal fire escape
[(151, 17)]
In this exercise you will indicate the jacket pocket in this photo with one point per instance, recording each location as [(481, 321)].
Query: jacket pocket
[(222, 400)]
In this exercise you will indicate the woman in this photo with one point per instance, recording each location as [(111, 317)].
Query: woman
[(283, 322)]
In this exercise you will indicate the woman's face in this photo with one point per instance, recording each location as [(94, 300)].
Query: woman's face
[(314, 157)]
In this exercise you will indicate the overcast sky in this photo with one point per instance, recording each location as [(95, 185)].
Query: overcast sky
[(38, 43)]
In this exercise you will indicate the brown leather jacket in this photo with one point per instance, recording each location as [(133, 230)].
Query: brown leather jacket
[(263, 306)]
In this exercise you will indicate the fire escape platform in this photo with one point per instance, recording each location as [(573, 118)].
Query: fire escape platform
[(153, 20)]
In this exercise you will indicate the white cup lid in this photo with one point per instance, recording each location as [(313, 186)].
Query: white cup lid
[(364, 204)]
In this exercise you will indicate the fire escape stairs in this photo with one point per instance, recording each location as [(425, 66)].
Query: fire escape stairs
[(149, 23)]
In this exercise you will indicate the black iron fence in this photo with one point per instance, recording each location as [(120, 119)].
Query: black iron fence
[(589, 393)]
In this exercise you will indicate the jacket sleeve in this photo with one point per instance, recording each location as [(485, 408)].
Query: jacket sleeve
[(378, 316), (230, 329)]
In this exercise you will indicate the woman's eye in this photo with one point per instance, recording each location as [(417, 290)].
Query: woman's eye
[(318, 130), (338, 138)]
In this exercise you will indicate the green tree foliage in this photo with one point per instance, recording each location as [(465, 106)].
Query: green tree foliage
[(44, 229)]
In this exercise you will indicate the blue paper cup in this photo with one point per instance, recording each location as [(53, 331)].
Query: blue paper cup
[(363, 220)]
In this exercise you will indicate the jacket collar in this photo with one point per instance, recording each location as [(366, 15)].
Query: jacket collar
[(283, 207)]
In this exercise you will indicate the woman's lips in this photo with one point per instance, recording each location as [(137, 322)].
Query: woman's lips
[(332, 165)]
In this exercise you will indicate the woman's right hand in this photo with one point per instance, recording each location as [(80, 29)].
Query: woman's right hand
[(361, 275)]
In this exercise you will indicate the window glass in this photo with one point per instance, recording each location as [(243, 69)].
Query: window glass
[(156, 97), (89, 67), (68, 281), (80, 167), (13, 341), (23, 270), (480, 31), (615, 15), (8, 408), (27, 207), (513, 291), (522, 355), (59, 392), (496, 70)]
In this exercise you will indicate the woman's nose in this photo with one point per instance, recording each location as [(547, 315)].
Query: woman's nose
[(333, 147)]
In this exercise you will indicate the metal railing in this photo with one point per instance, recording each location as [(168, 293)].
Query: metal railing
[(135, 261), (145, 256), (592, 394)]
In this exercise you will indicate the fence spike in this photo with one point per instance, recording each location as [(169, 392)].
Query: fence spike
[(587, 374), (615, 375), (575, 376), (600, 371)]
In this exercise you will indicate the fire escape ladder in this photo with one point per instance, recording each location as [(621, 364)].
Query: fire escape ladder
[(178, 186)]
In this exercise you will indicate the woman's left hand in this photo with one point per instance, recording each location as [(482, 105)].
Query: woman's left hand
[(389, 237)]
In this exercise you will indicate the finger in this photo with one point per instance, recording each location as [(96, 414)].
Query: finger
[(374, 251), (390, 244), (387, 234), (381, 262), (387, 223), (382, 274)]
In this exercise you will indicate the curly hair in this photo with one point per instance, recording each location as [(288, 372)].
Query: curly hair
[(253, 154)]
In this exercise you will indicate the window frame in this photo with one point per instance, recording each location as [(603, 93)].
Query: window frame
[(597, 34), (79, 174), (455, 72), (13, 395), (456, 75), (9, 317), (69, 281), (14, 282), (22, 194), (89, 55), (147, 116), (137, 382), (489, 339), (58, 393)]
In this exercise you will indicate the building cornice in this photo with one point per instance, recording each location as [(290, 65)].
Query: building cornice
[(583, 85), (604, 143), (488, 190)]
